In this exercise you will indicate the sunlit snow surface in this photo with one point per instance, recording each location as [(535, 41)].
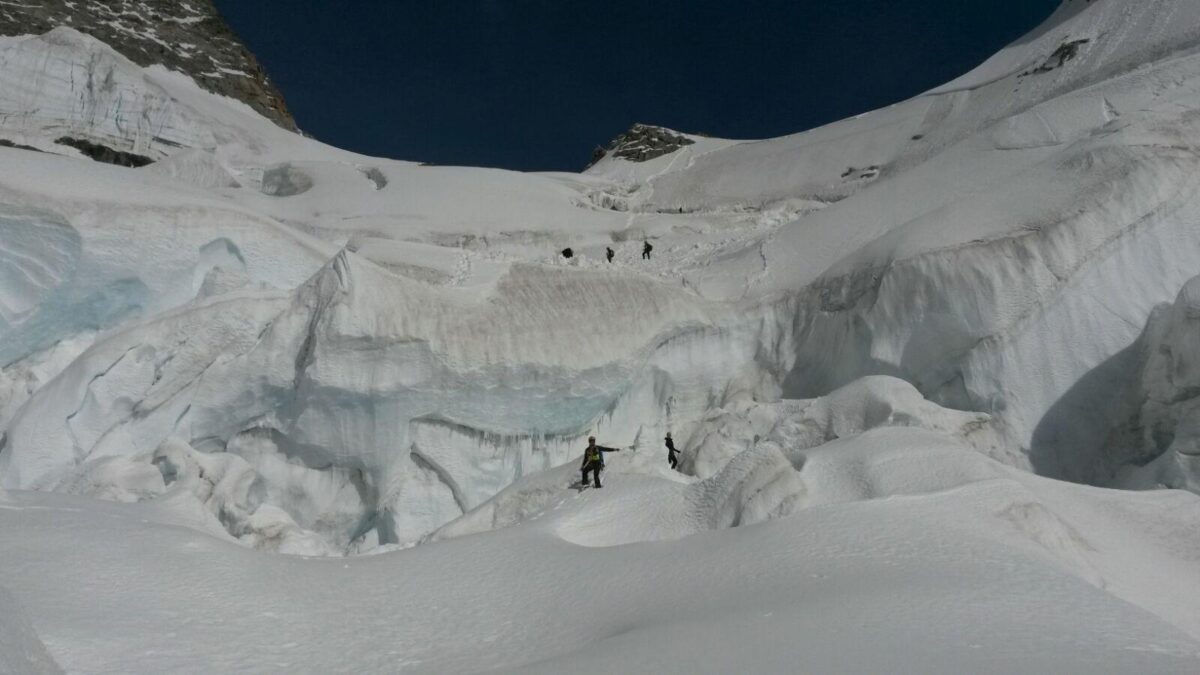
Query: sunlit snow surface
[(881, 345)]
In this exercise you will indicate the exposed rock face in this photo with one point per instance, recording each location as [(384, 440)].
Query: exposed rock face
[(184, 35), (105, 154), (642, 143)]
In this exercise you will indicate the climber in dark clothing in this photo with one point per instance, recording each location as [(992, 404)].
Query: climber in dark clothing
[(671, 452), (608, 253), (593, 461), (646, 248)]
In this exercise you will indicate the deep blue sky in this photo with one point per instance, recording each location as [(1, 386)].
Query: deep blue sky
[(536, 84)]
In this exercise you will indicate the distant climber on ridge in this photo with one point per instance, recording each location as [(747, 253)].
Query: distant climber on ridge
[(608, 253), (646, 248), (593, 461), (672, 459)]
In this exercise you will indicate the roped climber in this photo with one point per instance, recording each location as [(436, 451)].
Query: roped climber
[(593, 461), (672, 459)]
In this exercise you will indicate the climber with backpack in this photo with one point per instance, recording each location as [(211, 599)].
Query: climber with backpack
[(672, 459), (593, 461)]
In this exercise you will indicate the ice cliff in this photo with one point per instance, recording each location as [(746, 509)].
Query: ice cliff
[(188, 36)]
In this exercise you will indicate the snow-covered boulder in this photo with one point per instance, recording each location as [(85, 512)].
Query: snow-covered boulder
[(194, 166), (867, 403)]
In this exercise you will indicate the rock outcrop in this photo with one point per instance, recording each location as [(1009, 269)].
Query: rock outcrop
[(642, 143)]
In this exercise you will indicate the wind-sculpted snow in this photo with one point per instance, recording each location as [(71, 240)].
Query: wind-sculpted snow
[(862, 405)]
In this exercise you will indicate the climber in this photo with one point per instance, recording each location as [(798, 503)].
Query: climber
[(646, 248), (593, 461), (568, 253), (671, 452), (608, 253)]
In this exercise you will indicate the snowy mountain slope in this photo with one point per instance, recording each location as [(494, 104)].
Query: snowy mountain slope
[(970, 240), (1034, 190), (251, 236), (262, 342), (878, 441), (991, 574), (745, 459)]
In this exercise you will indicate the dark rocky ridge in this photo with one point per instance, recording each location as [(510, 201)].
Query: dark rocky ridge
[(641, 143), (184, 35)]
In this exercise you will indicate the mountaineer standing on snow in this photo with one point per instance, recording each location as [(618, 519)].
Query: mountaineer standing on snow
[(608, 253), (671, 452), (593, 460), (646, 248)]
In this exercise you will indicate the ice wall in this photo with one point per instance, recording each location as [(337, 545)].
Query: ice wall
[(373, 409), (1031, 326), (48, 90), (1159, 440)]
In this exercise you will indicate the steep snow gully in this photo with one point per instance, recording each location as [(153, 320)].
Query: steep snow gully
[(957, 332)]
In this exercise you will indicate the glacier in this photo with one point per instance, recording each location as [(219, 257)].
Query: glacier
[(898, 352)]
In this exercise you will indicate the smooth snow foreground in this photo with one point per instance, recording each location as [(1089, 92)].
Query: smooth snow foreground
[(883, 347), (898, 546)]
